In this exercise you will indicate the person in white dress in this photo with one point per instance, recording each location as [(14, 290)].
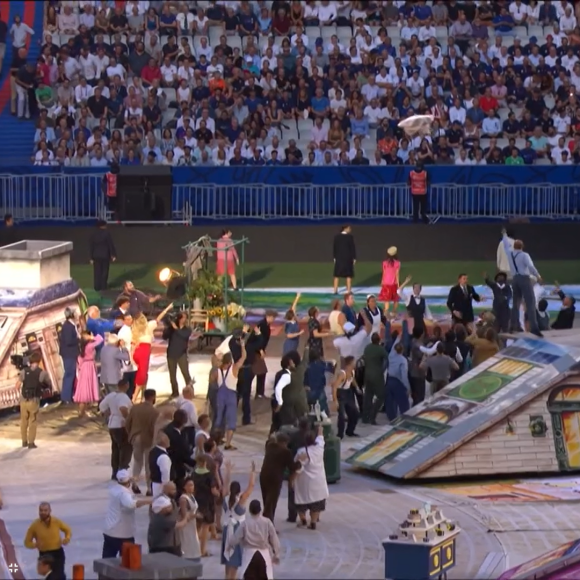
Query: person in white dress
[(310, 488), (188, 537)]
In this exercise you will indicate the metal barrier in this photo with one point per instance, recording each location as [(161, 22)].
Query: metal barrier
[(77, 197), (72, 197), (392, 201)]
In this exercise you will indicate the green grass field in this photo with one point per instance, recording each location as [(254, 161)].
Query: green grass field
[(304, 275)]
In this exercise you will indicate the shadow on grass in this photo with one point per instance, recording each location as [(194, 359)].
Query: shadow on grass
[(257, 276), (374, 280), (135, 274)]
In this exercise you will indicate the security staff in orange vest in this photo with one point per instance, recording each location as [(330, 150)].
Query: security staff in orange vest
[(419, 182), (110, 186)]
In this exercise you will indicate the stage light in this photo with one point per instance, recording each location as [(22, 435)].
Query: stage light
[(165, 275), (174, 282)]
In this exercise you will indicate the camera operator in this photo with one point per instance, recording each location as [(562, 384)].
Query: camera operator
[(32, 381), (177, 334)]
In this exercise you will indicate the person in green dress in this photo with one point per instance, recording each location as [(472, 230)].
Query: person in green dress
[(375, 357)]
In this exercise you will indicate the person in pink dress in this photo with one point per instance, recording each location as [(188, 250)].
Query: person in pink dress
[(87, 389), (390, 281), (227, 258)]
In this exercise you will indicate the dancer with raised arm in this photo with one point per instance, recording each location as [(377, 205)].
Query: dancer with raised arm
[(522, 271)]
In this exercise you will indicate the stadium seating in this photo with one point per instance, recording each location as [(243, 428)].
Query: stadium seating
[(236, 83)]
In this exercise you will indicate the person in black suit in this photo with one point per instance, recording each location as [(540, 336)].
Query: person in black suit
[(178, 449), (565, 318), (260, 367), (9, 234), (45, 568), (121, 308), (344, 255), (69, 351), (460, 301), (102, 252)]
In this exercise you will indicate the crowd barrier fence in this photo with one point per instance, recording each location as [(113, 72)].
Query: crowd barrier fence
[(78, 196)]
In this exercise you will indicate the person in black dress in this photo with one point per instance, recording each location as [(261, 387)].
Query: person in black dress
[(344, 255), (102, 251), (206, 490), (460, 301)]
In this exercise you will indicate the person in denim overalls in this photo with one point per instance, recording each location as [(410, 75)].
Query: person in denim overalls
[(227, 398)]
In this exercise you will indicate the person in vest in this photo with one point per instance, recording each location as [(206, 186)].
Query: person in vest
[(179, 450), (294, 399), (281, 381), (31, 382), (110, 186), (161, 469), (102, 252), (417, 308), (227, 397), (502, 296), (69, 351), (419, 182)]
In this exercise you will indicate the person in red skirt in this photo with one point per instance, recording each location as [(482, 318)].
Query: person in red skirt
[(390, 280), (142, 332), (227, 258)]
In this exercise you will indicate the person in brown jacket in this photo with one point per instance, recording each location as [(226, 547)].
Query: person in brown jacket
[(140, 425), (484, 347), (278, 461)]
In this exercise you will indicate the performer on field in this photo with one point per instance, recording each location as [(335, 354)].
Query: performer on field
[(344, 255)]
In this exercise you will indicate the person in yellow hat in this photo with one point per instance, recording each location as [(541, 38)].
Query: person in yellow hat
[(390, 280)]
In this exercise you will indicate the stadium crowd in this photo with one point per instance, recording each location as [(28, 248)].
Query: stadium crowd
[(319, 83)]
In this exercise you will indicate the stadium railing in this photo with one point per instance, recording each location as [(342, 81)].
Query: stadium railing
[(77, 197)]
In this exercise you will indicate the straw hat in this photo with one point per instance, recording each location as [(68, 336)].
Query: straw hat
[(392, 251)]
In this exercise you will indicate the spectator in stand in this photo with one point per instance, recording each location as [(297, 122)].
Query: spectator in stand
[(359, 83)]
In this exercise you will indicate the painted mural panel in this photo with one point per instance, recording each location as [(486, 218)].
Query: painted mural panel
[(479, 399), (535, 566), (386, 448)]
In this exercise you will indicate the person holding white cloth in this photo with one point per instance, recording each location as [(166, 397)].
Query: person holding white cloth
[(523, 272), (353, 341), (310, 487), (259, 541)]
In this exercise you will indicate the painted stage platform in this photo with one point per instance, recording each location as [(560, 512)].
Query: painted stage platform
[(563, 563), (518, 412)]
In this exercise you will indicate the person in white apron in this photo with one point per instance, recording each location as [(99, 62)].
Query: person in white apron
[(375, 316), (260, 545), (234, 514), (189, 540)]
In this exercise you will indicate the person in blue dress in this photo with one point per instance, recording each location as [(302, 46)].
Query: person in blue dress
[(291, 329), (234, 513)]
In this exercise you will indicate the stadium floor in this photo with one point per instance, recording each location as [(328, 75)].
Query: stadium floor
[(319, 275)]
